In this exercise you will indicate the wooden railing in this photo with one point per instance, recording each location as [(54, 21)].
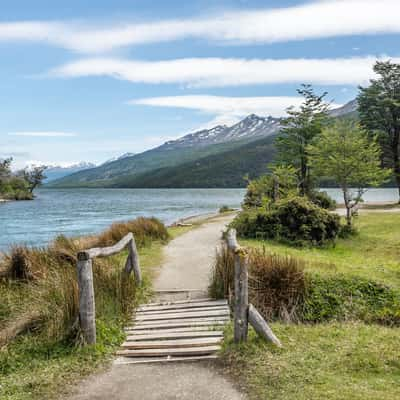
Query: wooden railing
[(245, 313), (87, 309)]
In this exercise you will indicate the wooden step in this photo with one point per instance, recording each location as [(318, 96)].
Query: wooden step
[(182, 310), (192, 314), (176, 306), (173, 335), (161, 303), (133, 331), (172, 344), (191, 351), (164, 359), (181, 323)]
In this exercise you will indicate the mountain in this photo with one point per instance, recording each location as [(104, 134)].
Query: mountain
[(347, 110), (216, 157), (121, 157), (251, 128), (190, 147), (225, 169), (55, 172)]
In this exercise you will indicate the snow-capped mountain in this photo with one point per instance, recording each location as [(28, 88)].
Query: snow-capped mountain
[(251, 127), (347, 109), (54, 172), (117, 158)]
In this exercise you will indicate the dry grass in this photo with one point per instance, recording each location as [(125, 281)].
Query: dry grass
[(277, 284), (47, 279)]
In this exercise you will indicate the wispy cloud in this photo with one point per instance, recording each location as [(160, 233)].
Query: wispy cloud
[(318, 19), (43, 134), (219, 72), (236, 106)]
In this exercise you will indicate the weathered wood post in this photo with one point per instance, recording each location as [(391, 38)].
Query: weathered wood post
[(132, 262), (241, 288), (87, 310)]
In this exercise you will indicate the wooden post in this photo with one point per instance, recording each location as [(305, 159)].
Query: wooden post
[(132, 262), (86, 298), (241, 288), (261, 326)]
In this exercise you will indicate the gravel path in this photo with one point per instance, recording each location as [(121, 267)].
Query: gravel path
[(188, 259)]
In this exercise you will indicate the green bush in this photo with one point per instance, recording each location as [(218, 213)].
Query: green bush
[(295, 220), (281, 290), (323, 200)]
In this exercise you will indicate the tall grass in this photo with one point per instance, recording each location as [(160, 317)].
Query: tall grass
[(46, 284), (281, 290)]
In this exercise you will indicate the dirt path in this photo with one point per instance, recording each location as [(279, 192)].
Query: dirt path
[(188, 259)]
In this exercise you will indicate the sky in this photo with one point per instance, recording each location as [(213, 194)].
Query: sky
[(84, 80)]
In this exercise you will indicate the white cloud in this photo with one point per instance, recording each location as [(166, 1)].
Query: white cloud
[(318, 19), (219, 72), (43, 134), (228, 110)]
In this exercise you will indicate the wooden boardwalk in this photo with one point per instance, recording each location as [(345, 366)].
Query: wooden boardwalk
[(175, 331)]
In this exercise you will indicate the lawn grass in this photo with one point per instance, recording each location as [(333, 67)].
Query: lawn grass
[(335, 361), (342, 358), (373, 254)]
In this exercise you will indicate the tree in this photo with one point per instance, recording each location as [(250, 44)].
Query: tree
[(281, 182), (299, 130), (346, 153), (5, 168), (34, 176), (379, 109)]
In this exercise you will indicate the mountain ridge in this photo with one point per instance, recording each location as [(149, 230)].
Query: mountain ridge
[(183, 151)]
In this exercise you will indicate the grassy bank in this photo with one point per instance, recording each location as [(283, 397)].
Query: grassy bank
[(336, 310), (41, 347)]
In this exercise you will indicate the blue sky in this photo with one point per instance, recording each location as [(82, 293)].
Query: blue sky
[(85, 80)]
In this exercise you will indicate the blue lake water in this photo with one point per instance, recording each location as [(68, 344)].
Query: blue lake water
[(75, 212)]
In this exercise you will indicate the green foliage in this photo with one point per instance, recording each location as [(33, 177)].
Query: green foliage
[(299, 130), (280, 183), (379, 109), (295, 220), (344, 297), (323, 200), (346, 153), (17, 186), (224, 209)]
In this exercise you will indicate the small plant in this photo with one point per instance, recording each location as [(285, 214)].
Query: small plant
[(224, 209)]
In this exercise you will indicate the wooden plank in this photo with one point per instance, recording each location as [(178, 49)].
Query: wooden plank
[(191, 321), (174, 335), (261, 327), (183, 323), (138, 360), (106, 251), (179, 305), (183, 310), (172, 344), (193, 351), (133, 331), (192, 314), (161, 303)]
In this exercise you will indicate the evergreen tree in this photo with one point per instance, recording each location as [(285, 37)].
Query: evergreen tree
[(299, 130), (379, 109)]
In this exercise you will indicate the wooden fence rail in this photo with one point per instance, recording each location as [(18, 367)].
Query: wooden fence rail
[(87, 309), (245, 313)]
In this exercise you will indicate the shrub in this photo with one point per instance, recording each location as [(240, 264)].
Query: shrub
[(280, 289), (295, 220), (225, 209), (276, 283), (323, 200)]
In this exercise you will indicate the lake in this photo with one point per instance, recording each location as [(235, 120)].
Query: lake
[(75, 212)]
